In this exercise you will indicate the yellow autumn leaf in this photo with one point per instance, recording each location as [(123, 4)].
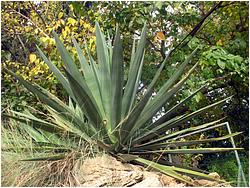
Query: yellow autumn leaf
[(36, 31), (60, 15), (37, 62), (86, 25), (71, 21), (43, 39), (52, 41), (62, 21), (160, 35), (32, 57), (71, 7), (81, 22), (219, 43), (64, 33), (27, 29)]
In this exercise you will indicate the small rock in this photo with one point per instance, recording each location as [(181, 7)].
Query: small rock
[(149, 180), (170, 182), (214, 175)]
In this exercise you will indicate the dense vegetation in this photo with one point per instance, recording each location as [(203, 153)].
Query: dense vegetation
[(223, 59)]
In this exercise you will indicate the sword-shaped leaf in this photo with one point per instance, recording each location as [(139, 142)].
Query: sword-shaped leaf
[(171, 124), (155, 108), (68, 61), (188, 151), (35, 122), (193, 130), (172, 111), (117, 77), (85, 102), (57, 73), (175, 144), (90, 79), (104, 73), (160, 99), (47, 158), (137, 110), (165, 170), (134, 75), (45, 97)]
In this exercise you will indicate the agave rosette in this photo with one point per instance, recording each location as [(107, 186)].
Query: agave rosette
[(103, 109)]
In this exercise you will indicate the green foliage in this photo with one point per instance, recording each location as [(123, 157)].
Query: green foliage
[(218, 57), (228, 168)]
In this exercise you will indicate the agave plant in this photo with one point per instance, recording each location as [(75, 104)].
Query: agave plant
[(104, 109)]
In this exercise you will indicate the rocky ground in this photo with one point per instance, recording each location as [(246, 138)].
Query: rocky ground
[(107, 171)]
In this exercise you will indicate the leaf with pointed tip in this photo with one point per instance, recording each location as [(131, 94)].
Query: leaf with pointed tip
[(134, 75), (36, 135), (193, 130), (174, 109), (170, 124), (57, 73), (68, 61), (75, 126), (58, 141), (36, 148), (174, 144), (197, 174), (47, 158), (198, 131), (171, 113), (38, 123), (160, 99), (165, 170), (187, 151), (42, 94), (176, 74), (66, 113), (90, 79), (104, 72), (85, 102), (137, 110), (117, 79), (53, 102), (145, 117)]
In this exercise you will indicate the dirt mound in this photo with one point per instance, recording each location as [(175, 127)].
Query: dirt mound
[(107, 171)]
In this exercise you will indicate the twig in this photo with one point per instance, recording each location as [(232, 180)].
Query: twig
[(150, 42), (40, 16), (24, 48), (22, 44), (205, 39)]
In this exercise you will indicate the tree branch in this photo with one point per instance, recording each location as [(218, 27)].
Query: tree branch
[(150, 42), (197, 27), (40, 16), (14, 11)]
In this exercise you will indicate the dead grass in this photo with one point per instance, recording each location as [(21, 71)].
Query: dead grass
[(18, 173), (39, 174)]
